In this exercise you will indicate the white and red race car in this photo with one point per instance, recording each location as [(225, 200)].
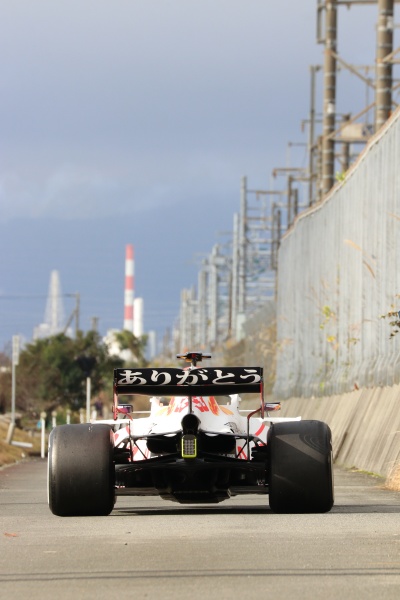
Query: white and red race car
[(197, 448)]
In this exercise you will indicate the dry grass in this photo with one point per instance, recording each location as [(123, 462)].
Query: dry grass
[(10, 454), (393, 480)]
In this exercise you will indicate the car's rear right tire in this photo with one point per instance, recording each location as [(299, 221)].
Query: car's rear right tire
[(299, 467), (81, 471)]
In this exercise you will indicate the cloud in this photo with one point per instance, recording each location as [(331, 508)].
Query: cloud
[(113, 185), (70, 192), (74, 191), (156, 102)]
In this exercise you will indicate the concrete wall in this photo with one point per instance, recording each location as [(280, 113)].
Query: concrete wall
[(365, 426), (338, 273)]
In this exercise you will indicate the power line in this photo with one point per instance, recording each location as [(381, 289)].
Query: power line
[(32, 296)]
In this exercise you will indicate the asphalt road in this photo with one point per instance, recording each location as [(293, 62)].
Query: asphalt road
[(149, 548)]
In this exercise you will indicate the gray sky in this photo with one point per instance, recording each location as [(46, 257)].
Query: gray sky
[(132, 121)]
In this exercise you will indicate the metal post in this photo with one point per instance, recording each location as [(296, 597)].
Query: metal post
[(384, 69), (88, 394), (42, 434), (329, 107)]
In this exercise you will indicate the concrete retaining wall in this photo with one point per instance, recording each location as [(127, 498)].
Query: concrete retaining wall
[(338, 274), (365, 426)]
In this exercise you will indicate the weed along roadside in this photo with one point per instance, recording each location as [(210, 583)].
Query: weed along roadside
[(10, 453)]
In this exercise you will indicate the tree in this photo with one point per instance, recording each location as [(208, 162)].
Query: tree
[(135, 345), (50, 373)]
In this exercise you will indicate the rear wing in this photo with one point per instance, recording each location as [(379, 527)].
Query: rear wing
[(216, 381)]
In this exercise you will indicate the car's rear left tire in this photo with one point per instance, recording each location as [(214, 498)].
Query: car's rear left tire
[(81, 472), (300, 476)]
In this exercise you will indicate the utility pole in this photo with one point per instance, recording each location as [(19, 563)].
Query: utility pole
[(383, 86), (182, 322), (77, 311), (235, 274), (213, 295), (345, 154), (14, 364), (329, 106), (242, 248), (300, 175), (311, 135), (202, 306), (276, 234), (289, 200), (74, 314), (94, 323), (295, 193), (186, 318), (318, 169)]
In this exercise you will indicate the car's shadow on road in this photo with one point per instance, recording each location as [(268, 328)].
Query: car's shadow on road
[(185, 511), (367, 509), (246, 510)]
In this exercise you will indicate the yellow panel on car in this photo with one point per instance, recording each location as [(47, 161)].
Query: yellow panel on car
[(189, 446)]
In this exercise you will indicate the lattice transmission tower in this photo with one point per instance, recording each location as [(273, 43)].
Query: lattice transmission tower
[(54, 318)]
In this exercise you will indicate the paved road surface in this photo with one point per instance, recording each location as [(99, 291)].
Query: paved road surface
[(149, 548)]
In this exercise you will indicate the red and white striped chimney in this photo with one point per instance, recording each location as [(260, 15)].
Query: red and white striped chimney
[(129, 287)]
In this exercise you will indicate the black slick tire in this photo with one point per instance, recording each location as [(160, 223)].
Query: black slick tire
[(299, 467), (81, 472)]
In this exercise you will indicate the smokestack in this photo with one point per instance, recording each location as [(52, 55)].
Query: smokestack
[(138, 320), (129, 287)]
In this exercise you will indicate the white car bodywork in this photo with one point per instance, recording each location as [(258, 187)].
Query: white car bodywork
[(214, 417)]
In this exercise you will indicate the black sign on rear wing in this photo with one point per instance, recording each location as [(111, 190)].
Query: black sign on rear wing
[(218, 381)]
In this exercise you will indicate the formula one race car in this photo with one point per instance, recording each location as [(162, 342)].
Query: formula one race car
[(191, 448)]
